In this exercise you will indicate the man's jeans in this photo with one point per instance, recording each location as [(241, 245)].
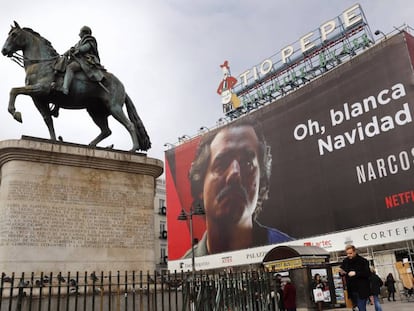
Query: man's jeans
[(361, 303), (377, 303)]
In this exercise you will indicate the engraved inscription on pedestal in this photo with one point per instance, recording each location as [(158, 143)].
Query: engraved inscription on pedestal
[(75, 216), (81, 212)]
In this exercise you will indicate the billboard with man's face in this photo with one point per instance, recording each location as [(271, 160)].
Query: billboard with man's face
[(342, 152)]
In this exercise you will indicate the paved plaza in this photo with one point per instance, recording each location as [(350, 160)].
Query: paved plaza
[(390, 306)]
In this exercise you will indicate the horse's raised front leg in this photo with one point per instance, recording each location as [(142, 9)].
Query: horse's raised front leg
[(29, 90)]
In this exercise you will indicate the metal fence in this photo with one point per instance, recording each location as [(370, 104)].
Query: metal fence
[(250, 290)]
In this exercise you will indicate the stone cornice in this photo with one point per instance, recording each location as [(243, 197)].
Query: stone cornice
[(60, 153)]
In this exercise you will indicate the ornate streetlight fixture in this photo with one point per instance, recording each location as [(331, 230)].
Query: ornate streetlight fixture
[(183, 138), (169, 145), (184, 216)]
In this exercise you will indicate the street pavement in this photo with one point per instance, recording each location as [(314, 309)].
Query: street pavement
[(398, 305)]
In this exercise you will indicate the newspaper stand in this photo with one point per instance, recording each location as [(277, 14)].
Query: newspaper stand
[(300, 264)]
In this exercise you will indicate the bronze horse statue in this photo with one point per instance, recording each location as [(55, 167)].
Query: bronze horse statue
[(100, 101)]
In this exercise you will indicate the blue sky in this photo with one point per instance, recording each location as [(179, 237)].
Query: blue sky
[(167, 54)]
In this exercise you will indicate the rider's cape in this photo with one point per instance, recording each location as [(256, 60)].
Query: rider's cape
[(90, 62)]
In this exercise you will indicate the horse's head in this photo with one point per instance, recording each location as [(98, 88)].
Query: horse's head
[(15, 41)]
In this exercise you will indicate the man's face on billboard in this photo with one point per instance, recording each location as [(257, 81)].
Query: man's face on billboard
[(232, 178)]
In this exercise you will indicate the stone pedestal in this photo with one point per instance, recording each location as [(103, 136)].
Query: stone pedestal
[(67, 207)]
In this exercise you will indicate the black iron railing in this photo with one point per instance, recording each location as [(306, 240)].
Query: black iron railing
[(130, 291)]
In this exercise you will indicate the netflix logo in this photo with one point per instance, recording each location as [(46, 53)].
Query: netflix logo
[(399, 199)]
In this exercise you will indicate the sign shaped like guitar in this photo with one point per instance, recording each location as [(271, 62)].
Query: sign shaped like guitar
[(229, 100)]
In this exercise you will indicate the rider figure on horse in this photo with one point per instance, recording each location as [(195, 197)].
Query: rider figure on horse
[(83, 56)]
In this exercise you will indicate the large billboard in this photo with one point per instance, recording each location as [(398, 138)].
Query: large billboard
[(342, 150)]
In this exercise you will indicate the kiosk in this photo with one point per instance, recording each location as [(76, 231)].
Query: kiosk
[(300, 264)]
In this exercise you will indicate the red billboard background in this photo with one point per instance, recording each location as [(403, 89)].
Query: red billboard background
[(179, 197), (363, 177)]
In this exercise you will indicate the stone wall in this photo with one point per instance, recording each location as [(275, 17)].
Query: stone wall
[(66, 207)]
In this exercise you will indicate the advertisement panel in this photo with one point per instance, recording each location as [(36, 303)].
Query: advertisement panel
[(342, 156)]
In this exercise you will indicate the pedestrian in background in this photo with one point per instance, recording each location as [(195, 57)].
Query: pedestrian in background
[(390, 283), (375, 283), (289, 295), (279, 291), (318, 284)]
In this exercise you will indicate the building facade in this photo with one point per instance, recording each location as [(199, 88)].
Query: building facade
[(160, 226), (342, 149)]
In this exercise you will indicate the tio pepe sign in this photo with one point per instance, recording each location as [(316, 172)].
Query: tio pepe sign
[(350, 18)]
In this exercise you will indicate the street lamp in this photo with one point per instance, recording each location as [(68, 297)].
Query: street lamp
[(183, 138), (204, 129), (198, 211), (379, 32), (221, 121), (169, 145)]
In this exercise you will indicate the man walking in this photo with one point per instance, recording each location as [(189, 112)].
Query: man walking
[(356, 271)]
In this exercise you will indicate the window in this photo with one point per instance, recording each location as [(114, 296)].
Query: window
[(162, 208), (162, 226), (163, 230), (163, 255)]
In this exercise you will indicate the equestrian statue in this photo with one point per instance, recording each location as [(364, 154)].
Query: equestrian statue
[(74, 80)]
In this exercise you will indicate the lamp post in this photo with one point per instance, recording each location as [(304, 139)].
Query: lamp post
[(168, 145), (198, 211), (379, 32), (203, 129), (183, 138)]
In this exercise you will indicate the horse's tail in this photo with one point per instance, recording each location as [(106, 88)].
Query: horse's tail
[(143, 138)]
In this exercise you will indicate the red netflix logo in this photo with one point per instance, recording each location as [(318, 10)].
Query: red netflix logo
[(399, 199)]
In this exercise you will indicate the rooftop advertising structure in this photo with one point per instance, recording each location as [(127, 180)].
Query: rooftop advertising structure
[(332, 43), (341, 163)]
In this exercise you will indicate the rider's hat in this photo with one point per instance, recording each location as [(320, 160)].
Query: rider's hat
[(86, 29)]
